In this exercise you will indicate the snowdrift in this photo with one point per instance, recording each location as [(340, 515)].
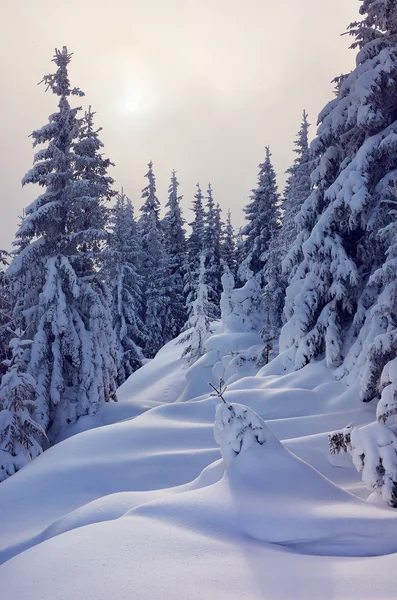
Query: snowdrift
[(154, 507)]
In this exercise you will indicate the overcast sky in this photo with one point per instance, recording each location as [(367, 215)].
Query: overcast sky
[(201, 86)]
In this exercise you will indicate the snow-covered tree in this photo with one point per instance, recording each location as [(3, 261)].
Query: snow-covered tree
[(277, 271), (273, 297), (5, 309), (297, 189), (195, 246), (54, 275), (242, 307), (175, 246), (262, 215), (21, 438), (331, 291), (238, 428), (126, 282), (202, 314), (160, 324), (212, 248), (228, 247), (196, 240)]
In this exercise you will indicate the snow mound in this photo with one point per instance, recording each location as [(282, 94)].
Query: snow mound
[(152, 492)]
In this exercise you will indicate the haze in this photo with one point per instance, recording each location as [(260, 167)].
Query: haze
[(200, 86)]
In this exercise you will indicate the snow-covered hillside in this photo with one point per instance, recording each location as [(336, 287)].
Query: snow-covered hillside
[(145, 506)]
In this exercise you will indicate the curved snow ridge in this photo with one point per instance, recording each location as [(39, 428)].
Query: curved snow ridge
[(153, 560), (273, 496), (114, 506)]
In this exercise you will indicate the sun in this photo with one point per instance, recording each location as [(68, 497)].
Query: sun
[(132, 106)]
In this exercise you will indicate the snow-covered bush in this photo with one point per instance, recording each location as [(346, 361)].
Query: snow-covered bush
[(339, 442), (373, 450), (236, 429), (374, 454)]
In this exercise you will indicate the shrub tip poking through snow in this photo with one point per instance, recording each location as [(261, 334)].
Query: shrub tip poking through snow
[(339, 442), (236, 429)]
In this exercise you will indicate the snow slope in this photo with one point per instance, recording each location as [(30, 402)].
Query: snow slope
[(145, 507)]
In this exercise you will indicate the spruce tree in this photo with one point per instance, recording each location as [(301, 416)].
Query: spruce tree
[(54, 275), (126, 282), (21, 437), (195, 247), (201, 316), (212, 248), (175, 247), (228, 247), (262, 214), (158, 318), (332, 291), (278, 265), (297, 189), (195, 242), (273, 298), (5, 309)]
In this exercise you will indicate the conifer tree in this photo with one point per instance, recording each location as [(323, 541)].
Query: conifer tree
[(196, 240), (5, 309), (21, 438), (331, 291), (125, 280), (159, 321), (273, 297), (277, 271), (297, 189), (175, 247), (228, 248), (212, 248), (53, 276), (198, 324), (195, 246), (262, 214)]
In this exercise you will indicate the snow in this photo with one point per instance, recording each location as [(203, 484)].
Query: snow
[(141, 504)]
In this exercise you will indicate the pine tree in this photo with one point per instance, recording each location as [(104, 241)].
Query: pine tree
[(228, 248), (297, 189), (125, 280), (21, 438), (5, 310), (331, 291), (273, 298), (262, 214), (195, 246), (280, 258), (195, 242), (54, 275), (212, 248), (159, 322), (202, 313), (175, 246)]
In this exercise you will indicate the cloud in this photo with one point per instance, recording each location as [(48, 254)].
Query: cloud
[(211, 84)]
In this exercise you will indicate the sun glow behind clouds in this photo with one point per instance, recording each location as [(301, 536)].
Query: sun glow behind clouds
[(132, 106), (138, 100)]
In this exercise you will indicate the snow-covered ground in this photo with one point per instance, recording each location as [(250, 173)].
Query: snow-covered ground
[(138, 502)]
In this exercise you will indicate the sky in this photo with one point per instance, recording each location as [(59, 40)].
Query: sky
[(200, 86)]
